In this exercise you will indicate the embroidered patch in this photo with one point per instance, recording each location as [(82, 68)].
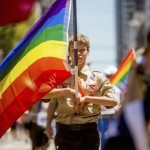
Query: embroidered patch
[(92, 87), (92, 76)]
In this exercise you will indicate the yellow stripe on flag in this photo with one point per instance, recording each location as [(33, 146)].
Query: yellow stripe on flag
[(122, 73), (56, 49)]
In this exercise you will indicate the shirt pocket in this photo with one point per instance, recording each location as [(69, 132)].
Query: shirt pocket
[(92, 89)]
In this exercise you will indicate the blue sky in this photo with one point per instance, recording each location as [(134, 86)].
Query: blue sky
[(96, 19)]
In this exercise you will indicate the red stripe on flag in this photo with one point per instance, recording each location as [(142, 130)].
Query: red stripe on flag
[(25, 96), (39, 72)]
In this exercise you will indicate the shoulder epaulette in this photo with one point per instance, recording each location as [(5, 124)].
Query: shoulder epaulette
[(98, 72)]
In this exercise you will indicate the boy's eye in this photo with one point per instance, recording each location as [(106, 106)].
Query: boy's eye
[(81, 50)]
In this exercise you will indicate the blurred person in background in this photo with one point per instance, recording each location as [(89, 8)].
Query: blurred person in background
[(51, 120), (35, 124), (133, 128), (14, 131)]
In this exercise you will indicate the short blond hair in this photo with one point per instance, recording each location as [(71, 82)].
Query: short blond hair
[(81, 39)]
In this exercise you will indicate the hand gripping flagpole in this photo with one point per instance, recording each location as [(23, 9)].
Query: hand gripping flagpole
[(75, 46)]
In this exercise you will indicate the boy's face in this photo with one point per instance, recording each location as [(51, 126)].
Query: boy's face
[(82, 54)]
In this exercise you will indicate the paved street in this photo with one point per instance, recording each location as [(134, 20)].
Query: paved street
[(7, 142)]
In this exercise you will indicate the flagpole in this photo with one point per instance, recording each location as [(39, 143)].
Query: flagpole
[(75, 46)]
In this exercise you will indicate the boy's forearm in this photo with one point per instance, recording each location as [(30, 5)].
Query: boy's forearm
[(56, 93), (103, 100), (50, 114)]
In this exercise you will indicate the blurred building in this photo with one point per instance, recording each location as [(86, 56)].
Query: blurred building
[(132, 23)]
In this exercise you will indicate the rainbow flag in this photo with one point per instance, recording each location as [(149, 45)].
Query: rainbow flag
[(36, 65), (121, 76)]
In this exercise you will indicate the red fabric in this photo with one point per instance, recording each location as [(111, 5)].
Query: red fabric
[(13, 11), (19, 97)]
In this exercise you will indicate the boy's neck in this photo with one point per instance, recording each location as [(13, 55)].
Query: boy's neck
[(80, 67)]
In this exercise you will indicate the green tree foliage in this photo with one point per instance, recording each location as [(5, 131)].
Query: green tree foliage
[(6, 38)]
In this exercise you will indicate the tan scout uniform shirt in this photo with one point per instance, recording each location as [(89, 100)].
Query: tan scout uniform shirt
[(94, 84)]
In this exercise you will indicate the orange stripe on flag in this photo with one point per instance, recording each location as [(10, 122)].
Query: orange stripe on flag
[(18, 95)]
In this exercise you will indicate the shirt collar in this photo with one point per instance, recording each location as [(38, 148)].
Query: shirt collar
[(85, 70)]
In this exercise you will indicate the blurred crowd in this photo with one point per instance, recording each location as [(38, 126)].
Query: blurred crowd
[(30, 129)]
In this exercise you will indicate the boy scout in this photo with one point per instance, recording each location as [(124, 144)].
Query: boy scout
[(77, 118)]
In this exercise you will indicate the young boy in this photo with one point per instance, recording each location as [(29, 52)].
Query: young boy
[(77, 118)]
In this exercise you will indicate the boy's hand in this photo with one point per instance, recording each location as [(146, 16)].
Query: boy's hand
[(49, 132), (78, 104)]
